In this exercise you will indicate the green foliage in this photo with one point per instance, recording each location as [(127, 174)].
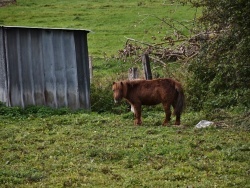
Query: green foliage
[(31, 111), (10, 112), (220, 74), (101, 97)]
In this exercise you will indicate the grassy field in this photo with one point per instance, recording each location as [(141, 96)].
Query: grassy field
[(109, 21), (41, 147), (106, 150)]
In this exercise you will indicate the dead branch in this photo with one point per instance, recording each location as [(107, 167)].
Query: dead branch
[(134, 40), (172, 49)]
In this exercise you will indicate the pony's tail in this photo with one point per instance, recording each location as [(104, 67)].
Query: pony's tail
[(180, 100)]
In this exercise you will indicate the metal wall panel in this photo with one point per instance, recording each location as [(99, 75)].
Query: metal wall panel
[(3, 84), (44, 67)]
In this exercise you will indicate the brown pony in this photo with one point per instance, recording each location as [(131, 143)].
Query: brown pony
[(151, 92)]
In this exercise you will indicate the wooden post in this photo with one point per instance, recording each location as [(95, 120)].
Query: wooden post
[(146, 67), (133, 73)]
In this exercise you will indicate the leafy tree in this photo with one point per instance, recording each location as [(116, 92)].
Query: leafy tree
[(221, 72)]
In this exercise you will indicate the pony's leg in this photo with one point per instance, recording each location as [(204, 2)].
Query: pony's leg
[(166, 107), (137, 113), (178, 119)]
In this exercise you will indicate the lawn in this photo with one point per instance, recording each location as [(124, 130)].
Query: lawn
[(106, 150)]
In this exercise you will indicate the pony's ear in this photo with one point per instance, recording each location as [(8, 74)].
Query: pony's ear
[(113, 83), (121, 83)]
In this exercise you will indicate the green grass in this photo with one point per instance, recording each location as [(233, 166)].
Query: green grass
[(93, 150), (42, 147), (110, 21)]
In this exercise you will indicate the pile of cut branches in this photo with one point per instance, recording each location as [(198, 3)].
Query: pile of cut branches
[(170, 49)]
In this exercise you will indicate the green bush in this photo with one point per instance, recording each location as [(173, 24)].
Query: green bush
[(101, 98), (219, 76)]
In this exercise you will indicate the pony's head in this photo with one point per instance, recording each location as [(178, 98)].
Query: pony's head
[(117, 89)]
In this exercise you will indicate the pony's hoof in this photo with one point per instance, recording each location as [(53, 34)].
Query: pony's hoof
[(166, 125), (137, 123), (177, 123)]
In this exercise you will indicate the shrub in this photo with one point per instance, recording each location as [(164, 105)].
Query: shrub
[(220, 73), (101, 97)]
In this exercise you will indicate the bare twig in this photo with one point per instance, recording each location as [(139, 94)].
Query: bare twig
[(134, 40)]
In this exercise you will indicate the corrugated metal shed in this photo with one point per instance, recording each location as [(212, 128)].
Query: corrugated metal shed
[(44, 66)]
